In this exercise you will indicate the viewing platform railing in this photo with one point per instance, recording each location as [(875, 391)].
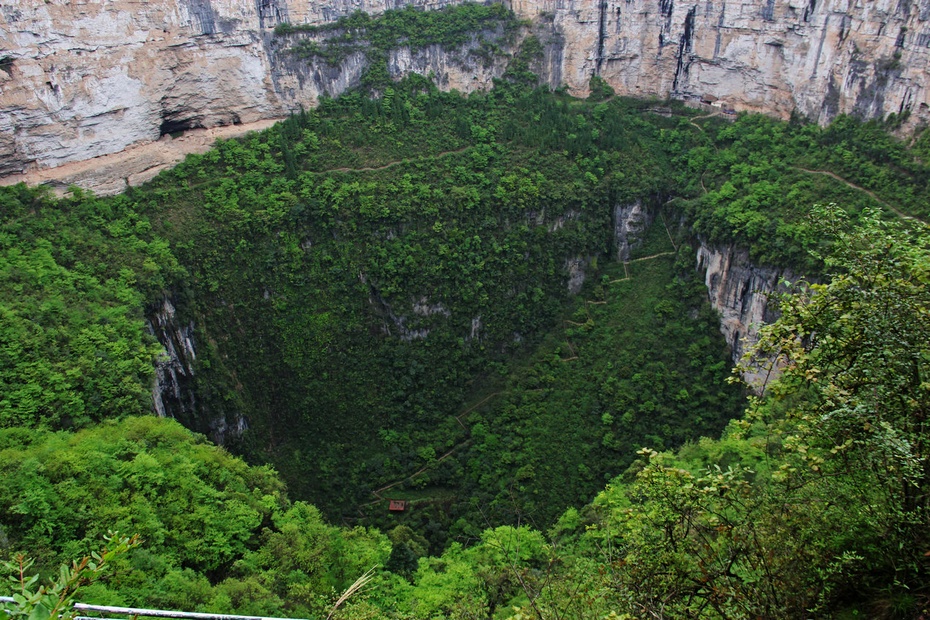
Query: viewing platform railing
[(133, 612)]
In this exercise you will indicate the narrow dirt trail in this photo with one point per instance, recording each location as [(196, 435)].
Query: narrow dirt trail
[(703, 116), (458, 418), (701, 129), (636, 260), (385, 166), (377, 493), (868, 192), (667, 231), (134, 165), (391, 164), (651, 256)]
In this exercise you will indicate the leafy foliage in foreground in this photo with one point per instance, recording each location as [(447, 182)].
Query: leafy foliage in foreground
[(368, 273), (56, 598), (365, 276), (218, 534), (814, 503), (816, 500)]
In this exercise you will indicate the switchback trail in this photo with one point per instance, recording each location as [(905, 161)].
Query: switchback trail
[(701, 129), (428, 466), (385, 166), (636, 260), (377, 493)]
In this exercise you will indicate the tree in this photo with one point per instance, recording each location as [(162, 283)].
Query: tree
[(854, 356), (817, 500), (56, 598)]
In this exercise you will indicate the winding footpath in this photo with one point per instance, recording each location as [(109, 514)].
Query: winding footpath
[(391, 164), (868, 192), (133, 166)]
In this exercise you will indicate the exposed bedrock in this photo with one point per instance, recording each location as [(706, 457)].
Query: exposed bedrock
[(89, 78), (739, 291), (174, 392)]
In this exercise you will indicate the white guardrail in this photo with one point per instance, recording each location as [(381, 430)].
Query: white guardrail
[(153, 613)]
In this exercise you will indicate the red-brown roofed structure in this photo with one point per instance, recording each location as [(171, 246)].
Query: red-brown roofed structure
[(397, 505)]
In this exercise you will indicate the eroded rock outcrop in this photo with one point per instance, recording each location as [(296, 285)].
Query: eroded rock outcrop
[(80, 80), (84, 79), (819, 57), (739, 291), (630, 223), (174, 371), (174, 393), (88, 78)]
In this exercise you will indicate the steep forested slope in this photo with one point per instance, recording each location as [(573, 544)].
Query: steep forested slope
[(381, 295), (435, 298), (811, 504)]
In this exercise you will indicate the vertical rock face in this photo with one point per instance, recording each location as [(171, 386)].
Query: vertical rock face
[(630, 222), (739, 291), (174, 372), (455, 70), (819, 57), (575, 267), (84, 78), (88, 78), (173, 394)]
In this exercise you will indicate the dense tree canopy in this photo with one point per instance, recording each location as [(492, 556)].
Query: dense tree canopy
[(813, 503), (418, 296)]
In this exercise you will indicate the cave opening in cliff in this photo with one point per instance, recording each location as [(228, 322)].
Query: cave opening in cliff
[(175, 126), (6, 65)]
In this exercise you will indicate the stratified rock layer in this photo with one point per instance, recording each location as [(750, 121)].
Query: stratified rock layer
[(820, 58), (81, 79), (739, 291)]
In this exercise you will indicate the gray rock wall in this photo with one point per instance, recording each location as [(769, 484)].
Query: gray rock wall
[(85, 78), (630, 224), (819, 57), (174, 392), (739, 291)]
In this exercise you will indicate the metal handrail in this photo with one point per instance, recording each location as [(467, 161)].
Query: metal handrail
[(155, 613)]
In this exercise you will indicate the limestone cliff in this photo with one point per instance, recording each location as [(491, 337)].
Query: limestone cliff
[(819, 57), (174, 393), (84, 79), (81, 79), (174, 371), (630, 222), (739, 291)]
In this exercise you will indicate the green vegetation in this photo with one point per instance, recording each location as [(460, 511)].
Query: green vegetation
[(812, 504), (755, 180), (75, 276), (380, 287), (486, 29), (627, 369), (56, 598), (385, 297), (218, 535)]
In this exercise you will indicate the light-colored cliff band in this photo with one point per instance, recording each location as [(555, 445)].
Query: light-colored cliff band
[(82, 79)]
